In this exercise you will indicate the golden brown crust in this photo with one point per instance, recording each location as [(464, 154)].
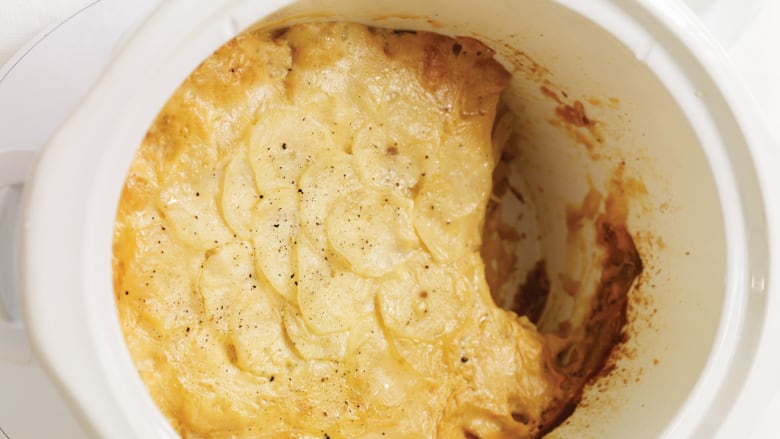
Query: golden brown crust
[(296, 250)]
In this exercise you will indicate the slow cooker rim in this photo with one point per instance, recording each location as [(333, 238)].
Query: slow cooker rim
[(36, 197)]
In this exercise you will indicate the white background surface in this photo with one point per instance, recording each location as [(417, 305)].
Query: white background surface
[(22, 20), (750, 33)]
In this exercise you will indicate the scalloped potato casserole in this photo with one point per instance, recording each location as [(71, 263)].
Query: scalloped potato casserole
[(297, 245)]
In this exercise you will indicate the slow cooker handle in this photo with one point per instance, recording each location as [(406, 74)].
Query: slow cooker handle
[(14, 166)]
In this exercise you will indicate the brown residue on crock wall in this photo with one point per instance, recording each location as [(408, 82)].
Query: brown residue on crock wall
[(550, 94), (581, 355), (500, 240), (519, 62), (588, 209), (574, 114), (500, 262), (572, 117), (596, 102), (641, 314), (620, 267), (584, 355), (532, 296)]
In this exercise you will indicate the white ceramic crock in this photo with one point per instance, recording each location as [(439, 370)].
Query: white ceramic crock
[(698, 360)]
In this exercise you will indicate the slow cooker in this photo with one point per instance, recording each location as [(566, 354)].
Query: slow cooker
[(698, 359)]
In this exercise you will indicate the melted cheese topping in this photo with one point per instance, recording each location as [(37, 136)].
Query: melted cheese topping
[(297, 244)]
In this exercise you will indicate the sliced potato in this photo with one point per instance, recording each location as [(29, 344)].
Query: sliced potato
[(245, 312), (238, 196), (226, 280), (312, 346), (372, 229), (282, 144), (446, 240), (161, 274), (331, 176), (330, 296), (190, 203), (425, 358), (274, 234), (258, 337), (423, 299), (463, 180), (389, 159), (450, 204)]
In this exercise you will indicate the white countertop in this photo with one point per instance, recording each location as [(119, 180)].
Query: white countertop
[(751, 37)]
